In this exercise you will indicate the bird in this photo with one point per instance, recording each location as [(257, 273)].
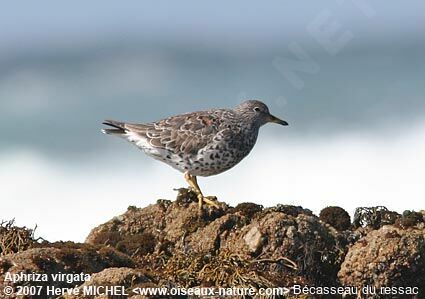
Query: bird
[(201, 143)]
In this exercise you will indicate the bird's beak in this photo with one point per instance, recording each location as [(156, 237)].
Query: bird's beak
[(274, 119)]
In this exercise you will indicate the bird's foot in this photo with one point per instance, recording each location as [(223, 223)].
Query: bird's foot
[(209, 200)]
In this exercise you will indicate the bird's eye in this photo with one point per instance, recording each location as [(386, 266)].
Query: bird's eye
[(257, 109)]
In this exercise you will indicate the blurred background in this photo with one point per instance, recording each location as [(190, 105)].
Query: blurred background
[(349, 77)]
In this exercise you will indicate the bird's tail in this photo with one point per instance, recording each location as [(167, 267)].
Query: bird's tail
[(118, 128)]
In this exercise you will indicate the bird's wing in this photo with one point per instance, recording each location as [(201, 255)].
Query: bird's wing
[(186, 133)]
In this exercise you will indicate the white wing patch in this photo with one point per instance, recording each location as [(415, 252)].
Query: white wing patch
[(145, 145), (160, 154), (138, 140)]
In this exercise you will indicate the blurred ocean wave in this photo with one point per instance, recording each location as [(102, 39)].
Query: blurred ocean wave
[(56, 103)]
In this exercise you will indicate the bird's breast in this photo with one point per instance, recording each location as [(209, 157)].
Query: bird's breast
[(223, 153)]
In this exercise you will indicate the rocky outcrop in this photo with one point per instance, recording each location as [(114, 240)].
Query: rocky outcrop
[(127, 282), (42, 265), (286, 241), (174, 244), (389, 256)]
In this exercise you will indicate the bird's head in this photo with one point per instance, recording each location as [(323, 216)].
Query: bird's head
[(258, 113)]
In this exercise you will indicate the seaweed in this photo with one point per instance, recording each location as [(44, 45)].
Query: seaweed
[(374, 217), (336, 217), (15, 239), (409, 219), (247, 209), (137, 245)]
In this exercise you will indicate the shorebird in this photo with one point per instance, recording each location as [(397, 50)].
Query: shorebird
[(201, 143)]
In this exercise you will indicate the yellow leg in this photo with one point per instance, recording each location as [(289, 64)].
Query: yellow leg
[(193, 182)]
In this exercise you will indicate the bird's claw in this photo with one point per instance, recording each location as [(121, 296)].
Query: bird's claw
[(209, 200)]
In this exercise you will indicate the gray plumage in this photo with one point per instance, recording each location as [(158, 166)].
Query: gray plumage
[(201, 143)]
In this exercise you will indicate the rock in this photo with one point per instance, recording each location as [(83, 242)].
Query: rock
[(174, 244), (290, 240), (209, 237), (247, 209), (389, 256), (298, 241), (141, 231), (253, 239), (127, 279), (410, 218), (59, 258)]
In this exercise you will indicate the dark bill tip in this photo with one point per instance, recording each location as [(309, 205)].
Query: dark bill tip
[(276, 120)]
